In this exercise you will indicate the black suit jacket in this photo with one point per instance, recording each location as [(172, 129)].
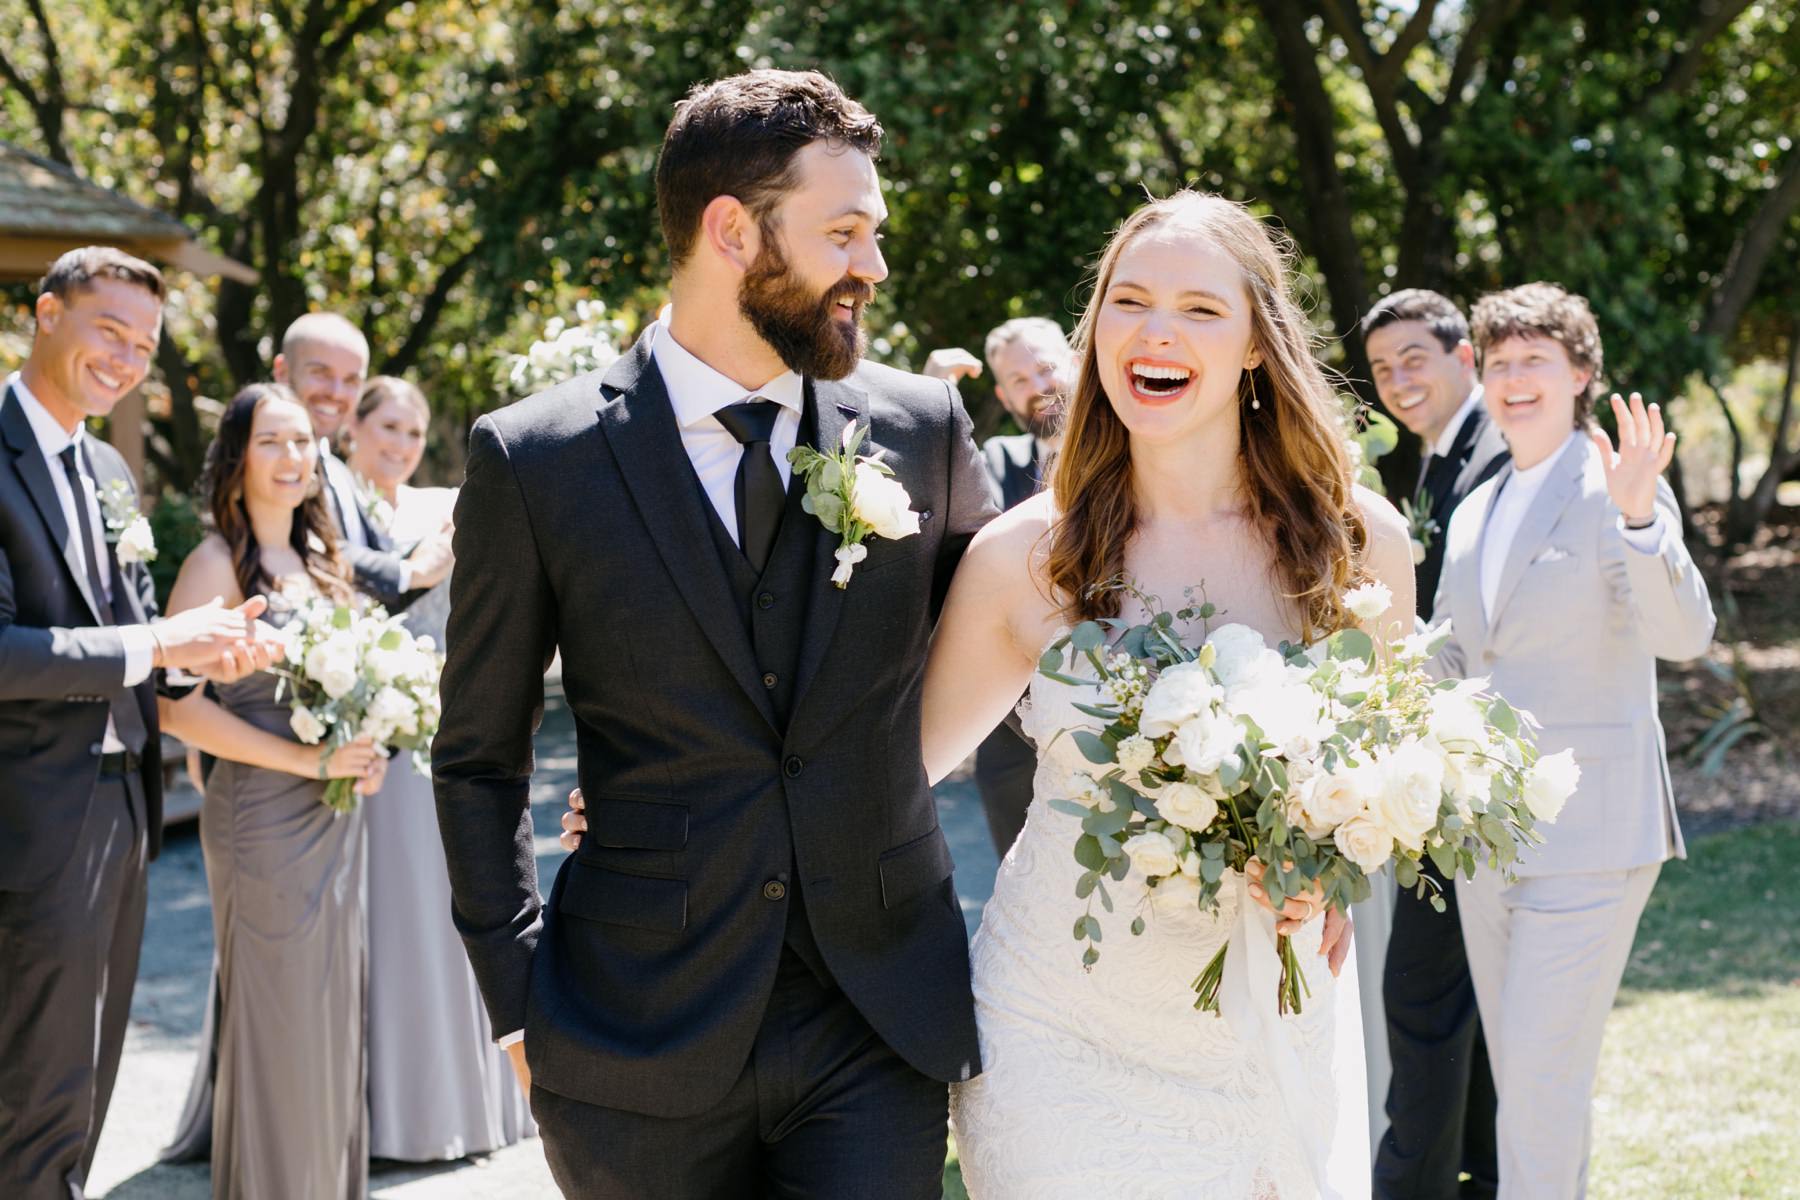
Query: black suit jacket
[(60, 666), (1476, 454), (1012, 463), (642, 983)]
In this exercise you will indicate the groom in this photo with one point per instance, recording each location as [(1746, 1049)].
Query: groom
[(751, 979)]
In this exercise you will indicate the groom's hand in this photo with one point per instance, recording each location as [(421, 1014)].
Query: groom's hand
[(1335, 943), (574, 822), (516, 1052)]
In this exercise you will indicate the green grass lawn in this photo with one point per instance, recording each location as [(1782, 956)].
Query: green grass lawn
[(1697, 1096)]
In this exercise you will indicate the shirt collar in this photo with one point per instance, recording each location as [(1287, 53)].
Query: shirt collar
[(1531, 478), (1446, 440), (696, 391), (52, 438)]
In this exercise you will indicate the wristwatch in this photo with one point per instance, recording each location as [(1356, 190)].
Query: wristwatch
[(1646, 523)]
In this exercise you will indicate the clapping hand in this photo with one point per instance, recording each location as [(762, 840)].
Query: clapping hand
[(1645, 450), (223, 644), (432, 558), (574, 822)]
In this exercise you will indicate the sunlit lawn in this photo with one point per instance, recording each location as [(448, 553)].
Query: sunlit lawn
[(1699, 1093)]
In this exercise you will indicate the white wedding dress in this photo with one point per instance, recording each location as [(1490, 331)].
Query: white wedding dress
[(1108, 1082)]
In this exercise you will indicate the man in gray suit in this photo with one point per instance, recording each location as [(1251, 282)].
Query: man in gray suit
[(1440, 1095), (1565, 579), (80, 768), (1033, 369)]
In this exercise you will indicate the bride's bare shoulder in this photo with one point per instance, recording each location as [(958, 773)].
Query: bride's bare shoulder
[(1016, 541)]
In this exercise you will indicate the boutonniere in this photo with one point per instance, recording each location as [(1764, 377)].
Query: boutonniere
[(853, 496), (127, 529), (1420, 527), (373, 504)]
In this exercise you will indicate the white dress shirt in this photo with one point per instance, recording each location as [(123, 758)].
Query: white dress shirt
[(1446, 437), (52, 440), (696, 392), (1518, 488)]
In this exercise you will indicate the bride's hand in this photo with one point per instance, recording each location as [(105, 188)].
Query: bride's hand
[(574, 822), (1295, 911)]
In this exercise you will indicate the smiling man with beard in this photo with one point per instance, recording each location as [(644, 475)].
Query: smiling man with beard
[(751, 978)]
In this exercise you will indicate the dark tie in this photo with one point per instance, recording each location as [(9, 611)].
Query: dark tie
[(1432, 483), (96, 581), (759, 493)]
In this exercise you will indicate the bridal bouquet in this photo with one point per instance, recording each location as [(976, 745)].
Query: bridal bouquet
[(1324, 763), (354, 675)]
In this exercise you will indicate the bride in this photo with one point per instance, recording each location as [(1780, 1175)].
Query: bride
[(1201, 448)]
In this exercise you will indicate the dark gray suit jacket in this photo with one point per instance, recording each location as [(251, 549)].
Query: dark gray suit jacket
[(643, 981), (60, 664), (376, 566)]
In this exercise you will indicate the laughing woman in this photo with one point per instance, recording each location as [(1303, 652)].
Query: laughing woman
[(278, 1091), (1565, 579)]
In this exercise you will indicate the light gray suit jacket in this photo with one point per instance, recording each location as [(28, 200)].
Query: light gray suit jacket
[(1579, 620)]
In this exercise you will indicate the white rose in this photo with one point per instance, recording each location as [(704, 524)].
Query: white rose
[(1550, 783), (1291, 716), (1330, 800), (1418, 553), (1153, 853), (1364, 843), (306, 727), (394, 712), (882, 504), (1368, 601), (1179, 694), (385, 666), (1456, 723), (1135, 753), (1241, 658), (1204, 744), (1406, 793), (332, 664), (137, 544), (1187, 805)]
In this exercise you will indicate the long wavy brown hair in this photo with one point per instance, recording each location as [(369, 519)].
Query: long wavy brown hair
[(1298, 477), (313, 533)]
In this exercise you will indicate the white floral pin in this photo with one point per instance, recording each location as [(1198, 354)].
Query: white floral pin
[(375, 506), (1421, 527), (854, 497), (126, 528)]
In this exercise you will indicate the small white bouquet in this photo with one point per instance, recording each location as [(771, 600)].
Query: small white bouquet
[(1324, 763), (127, 528), (354, 675)]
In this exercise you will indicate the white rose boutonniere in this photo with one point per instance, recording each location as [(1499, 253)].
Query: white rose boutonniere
[(853, 496), (126, 528)]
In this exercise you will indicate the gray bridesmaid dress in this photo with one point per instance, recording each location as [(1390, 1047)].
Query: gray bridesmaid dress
[(279, 1093), (438, 1086)]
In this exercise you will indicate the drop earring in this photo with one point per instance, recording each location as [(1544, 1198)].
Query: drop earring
[(1255, 401)]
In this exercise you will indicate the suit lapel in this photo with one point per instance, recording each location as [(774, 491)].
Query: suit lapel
[(835, 406), (1546, 508), (28, 460), (128, 608), (640, 428)]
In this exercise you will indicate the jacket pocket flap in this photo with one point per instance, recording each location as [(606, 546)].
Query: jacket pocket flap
[(616, 898), (910, 869), (637, 824)]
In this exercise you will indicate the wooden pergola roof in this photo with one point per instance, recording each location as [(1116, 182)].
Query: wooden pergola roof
[(46, 209)]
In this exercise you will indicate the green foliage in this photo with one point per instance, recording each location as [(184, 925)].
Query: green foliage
[(178, 526)]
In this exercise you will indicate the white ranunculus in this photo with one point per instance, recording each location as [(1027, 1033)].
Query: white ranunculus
[(882, 503), (1153, 853), (1205, 743), (1365, 843), (1407, 792), (1241, 658), (332, 664), (1291, 716), (1330, 800), (1179, 694), (1550, 783), (1135, 753), (1187, 805), (306, 727), (1368, 601), (136, 544)]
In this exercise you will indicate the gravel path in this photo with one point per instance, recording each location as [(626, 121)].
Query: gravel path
[(171, 990)]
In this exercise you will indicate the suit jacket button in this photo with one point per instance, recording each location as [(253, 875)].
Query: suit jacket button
[(774, 890), (793, 766), (95, 749), (765, 600), (769, 679)]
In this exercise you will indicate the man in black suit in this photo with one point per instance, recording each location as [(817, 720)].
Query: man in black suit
[(80, 770), (1033, 369), (325, 360), (751, 978), (1440, 1101)]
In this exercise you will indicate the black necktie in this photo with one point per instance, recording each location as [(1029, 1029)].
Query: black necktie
[(96, 581), (759, 494)]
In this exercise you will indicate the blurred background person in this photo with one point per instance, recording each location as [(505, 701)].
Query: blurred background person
[(439, 1088), (277, 1097), (1033, 369), (1439, 1099), (1565, 579)]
